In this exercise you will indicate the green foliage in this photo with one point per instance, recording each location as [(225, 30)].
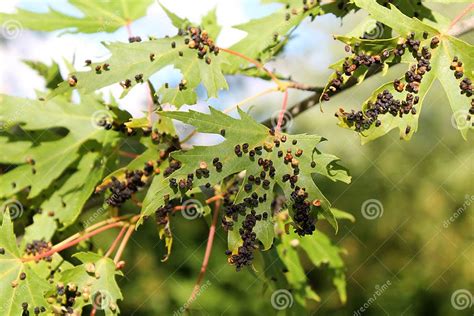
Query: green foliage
[(16, 289), (144, 59), (64, 163), (255, 135), (98, 16), (51, 74), (95, 276), (441, 58), (320, 251), (47, 157)]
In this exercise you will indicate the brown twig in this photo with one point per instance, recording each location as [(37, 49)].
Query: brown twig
[(188, 137), (283, 110), (313, 100), (124, 242), (116, 241), (127, 154), (460, 16), (207, 255), (253, 61), (91, 228), (60, 248), (304, 87)]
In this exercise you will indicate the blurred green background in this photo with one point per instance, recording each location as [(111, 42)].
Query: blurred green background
[(412, 246)]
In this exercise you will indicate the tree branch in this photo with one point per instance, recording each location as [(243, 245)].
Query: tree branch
[(207, 255), (55, 249), (462, 27), (115, 242), (124, 242)]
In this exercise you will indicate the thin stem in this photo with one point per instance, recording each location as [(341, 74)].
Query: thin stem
[(124, 242), (304, 87), (250, 99), (129, 28), (207, 255), (214, 198), (115, 243), (127, 154), (283, 110), (461, 15), (190, 135), (72, 243), (253, 61), (91, 228)]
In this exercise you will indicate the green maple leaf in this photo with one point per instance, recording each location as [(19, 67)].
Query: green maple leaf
[(75, 188), (320, 251), (43, 228), (53, 155), (239, 131), (370, 47), (98, 16), (14, 291), (97, 277), (261, 44), (177, 21), (177, 97), (442, 57), (130, 59), (286, 257), (51, 74)]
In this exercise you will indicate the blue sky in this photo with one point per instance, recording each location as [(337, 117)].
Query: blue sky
[(314, 44)]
